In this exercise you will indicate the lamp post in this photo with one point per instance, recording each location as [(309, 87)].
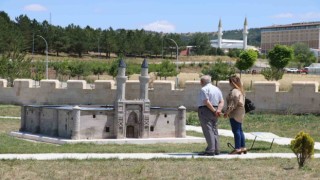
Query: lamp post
[(177, 48), (46, 55), (177, 80)]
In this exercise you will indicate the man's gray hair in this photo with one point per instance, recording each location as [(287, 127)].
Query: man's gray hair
[(206, 79)]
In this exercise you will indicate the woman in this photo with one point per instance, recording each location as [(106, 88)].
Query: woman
[(235, 111)]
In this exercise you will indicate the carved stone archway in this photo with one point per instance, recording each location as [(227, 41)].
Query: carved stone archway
[(133, 126)]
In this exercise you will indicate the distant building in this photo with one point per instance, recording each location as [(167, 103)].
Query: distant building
[(226, 44), (306, 32)]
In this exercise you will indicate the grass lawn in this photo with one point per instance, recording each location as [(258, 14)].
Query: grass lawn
[(282, 125), (159, 169)]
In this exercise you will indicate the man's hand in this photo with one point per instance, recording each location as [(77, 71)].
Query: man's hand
[(218, 113)]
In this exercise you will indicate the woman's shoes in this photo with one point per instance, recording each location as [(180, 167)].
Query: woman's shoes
[(244, 150), (236, 151)]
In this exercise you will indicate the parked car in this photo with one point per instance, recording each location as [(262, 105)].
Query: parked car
[(303, 70), (291, 70)]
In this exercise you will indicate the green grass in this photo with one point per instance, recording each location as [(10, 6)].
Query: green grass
[(160, 169), (10, 110), (282, 125)]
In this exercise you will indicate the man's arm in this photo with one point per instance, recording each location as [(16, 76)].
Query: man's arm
[(220, 106), (209, 105)]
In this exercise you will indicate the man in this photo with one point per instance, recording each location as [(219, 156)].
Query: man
[(210, 103)]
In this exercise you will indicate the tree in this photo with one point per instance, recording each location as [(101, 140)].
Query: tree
[(76, 39), (38, 70), (99, 68), (167, 69), (61, 68), (246, 60), (219, 71), (14, 64), (201, 43), (113, 70), (233, 53), (108, 42), (303, 147), (78, 69), (59, 40), (220, 52), (302, 55), (280, 56)]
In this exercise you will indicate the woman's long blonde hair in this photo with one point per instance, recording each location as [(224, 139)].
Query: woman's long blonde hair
[(235, 80)]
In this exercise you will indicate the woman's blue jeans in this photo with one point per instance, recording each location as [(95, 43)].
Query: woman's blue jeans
[(239, 139)]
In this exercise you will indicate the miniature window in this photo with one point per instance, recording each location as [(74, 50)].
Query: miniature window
[(94, 116), (107, 129), (151, 128)]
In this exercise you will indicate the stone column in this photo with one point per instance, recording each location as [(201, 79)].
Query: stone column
[(121, 81), (119, 123), (144, 80), (146, 119), (76, 123), (182, 116)]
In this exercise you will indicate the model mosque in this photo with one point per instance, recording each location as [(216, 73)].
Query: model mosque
[(125, 119)]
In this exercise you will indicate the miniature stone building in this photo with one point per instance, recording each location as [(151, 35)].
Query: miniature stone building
[(125, 119)]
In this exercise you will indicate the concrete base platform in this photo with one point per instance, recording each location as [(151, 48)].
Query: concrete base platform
[(47, 139)]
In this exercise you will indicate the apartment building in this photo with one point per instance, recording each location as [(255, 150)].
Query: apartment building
[(305, 32)]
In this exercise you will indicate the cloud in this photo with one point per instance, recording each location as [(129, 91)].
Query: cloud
[(35, 7), (160, 26), (283, 16)]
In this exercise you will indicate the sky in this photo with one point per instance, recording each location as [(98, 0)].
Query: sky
[(168, 16)]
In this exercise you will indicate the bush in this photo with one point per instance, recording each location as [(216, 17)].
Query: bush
[(272, 73), (303, 147), (192, 119)]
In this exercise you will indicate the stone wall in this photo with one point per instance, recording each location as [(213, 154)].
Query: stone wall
[(302, 98)]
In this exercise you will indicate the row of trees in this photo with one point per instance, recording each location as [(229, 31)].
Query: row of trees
[(23, 33), (14, 65)]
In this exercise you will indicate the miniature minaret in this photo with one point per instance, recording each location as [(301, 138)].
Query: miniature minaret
[(245, 33), (121, 80), (220, 34), (144, 81)]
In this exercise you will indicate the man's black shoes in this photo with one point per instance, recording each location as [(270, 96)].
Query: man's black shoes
[(207, 154)]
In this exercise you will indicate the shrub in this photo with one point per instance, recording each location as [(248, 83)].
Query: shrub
[(303, 147), (272, 73), (192, 119)]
